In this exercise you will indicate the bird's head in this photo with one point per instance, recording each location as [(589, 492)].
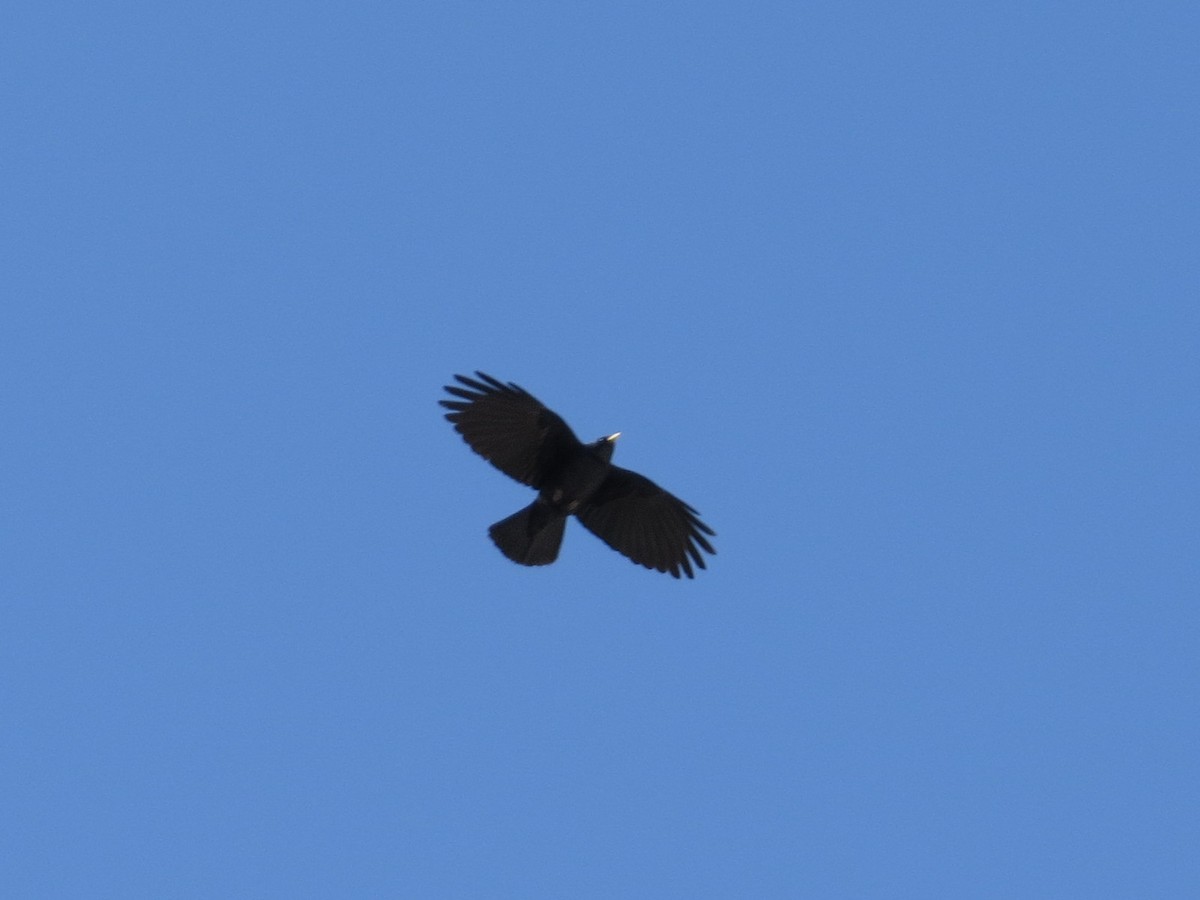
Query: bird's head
[(605, 445)]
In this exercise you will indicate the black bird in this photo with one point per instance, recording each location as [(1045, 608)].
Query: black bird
[(513, 431)]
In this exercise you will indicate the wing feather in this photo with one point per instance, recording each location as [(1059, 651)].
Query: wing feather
[(509, 427), (650, 526)]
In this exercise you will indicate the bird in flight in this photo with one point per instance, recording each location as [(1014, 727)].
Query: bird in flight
[(513, 431)]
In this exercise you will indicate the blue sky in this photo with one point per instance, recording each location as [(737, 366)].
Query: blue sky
[(902, 297)]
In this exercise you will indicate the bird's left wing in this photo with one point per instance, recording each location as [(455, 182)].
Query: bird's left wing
[(640, 520), (510, 428)]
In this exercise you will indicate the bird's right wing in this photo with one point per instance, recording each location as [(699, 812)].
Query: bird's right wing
[(509, 428), (640, 520)]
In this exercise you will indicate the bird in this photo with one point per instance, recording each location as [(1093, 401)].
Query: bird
[(529, 442)]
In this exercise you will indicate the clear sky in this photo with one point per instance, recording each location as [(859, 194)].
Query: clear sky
[(902, 297)]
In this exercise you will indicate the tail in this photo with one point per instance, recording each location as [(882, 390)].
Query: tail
[(530, 537)]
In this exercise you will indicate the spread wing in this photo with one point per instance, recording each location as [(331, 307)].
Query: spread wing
[(637, 518), (510, 428)]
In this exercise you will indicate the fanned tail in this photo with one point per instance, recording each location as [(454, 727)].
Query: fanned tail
[(530, 537)]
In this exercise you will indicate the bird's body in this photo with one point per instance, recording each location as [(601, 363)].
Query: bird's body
[(522, 438)]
